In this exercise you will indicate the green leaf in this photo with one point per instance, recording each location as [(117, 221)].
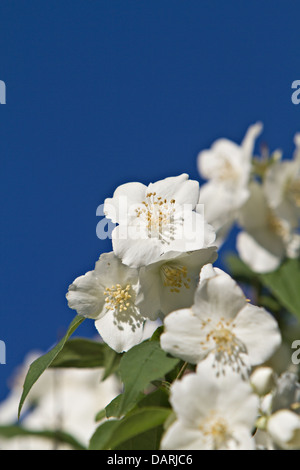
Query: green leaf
[(103, 434), (139, 366), (81, 352), (113, 433), (100, 415), (158, 397), (42, 363), (61, 437), (112, 361), (284, 283), (149, 440), (113, 408), (156, 335)]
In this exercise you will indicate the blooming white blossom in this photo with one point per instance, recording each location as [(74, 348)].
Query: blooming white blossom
[(284, 429), (64, 399), (221, 325), (279, 424), (266, 239), (212, 413), (282, 186), (227, 167), (262, 380), (155, 219), (109, 294), (170, 283)]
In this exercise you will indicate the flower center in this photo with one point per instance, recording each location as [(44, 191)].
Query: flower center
[(174, 276), (158, 215), (118, 298), (121, 301), (227, 172), (224, 344), (215, 430), (224, 340)]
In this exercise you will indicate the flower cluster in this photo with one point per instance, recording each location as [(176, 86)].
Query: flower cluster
[(261, 195), (225, 336), (53, 404), (161, 267), (195, 346), (279, 421), (159, 246)]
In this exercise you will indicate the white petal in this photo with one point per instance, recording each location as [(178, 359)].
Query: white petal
[(109, 270), (218, 296), (236, 401), (193, 234), (162, 298), (208, 272), (240, 439), (135, 252), (119, 336), (259, 332), (262, 380), (284, 428), (211, 162), (194, 396), (126, 195), (249, 140), (180, 188), (188, 193), (220, 203), (193, 261), (276, 179), (86, 296), (183, 335), (181, 437), (168, 187), (197, 395), (254, 213), (150, 299), (257, 256)]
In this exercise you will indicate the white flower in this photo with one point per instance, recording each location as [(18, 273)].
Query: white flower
[(72, 402), (110, 295), (221, 325), (227, 167), (284, 429), (262, 380), (170, 283), (212, 413), (265, 238), (65, 399), (282, 186), (156, 219), (280, 421)]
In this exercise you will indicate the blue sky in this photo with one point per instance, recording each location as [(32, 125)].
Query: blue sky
[(105, 92)]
